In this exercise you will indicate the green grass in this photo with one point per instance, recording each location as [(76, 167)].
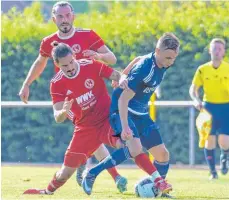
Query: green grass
[(187, 184)]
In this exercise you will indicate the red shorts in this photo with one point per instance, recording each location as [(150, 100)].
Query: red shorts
[(86, 141)]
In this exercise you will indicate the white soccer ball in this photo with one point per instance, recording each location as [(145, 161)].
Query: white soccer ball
[(145, 188)]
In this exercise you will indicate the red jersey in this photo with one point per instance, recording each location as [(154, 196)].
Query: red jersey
[(91, 99), (80, 40)]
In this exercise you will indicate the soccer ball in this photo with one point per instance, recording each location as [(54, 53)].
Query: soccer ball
[(145, 188)]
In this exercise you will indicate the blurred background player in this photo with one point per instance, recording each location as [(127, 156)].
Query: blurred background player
[(79, 92), (213, 76), (85, 43)]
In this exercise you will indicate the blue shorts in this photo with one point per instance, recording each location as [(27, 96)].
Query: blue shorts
[(143, 127), (220, 117)]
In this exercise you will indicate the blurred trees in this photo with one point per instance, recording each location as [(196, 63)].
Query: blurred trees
[(129, 29)]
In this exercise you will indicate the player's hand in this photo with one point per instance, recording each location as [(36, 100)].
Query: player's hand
[(198, 105), (123, 84), (24, 93), (67, 104), (114, 84), (91, 54), (126, 134)]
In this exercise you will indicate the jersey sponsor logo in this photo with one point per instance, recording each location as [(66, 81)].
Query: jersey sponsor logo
[(87, 97), (89, 83), (76, 48), (149, 89), (69, 92)]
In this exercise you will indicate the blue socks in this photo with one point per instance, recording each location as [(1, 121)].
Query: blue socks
[(114, 159), (210, 159), (162, 168)]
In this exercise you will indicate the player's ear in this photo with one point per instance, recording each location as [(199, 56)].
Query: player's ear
[(157, 50), (53, 19), (73, 16)]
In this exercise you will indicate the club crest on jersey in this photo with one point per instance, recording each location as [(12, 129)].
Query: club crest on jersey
[(89, 83), (76, 48)]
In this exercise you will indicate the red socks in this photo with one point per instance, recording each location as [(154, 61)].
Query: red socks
[(54, 185), (143, 161), (113, 172)]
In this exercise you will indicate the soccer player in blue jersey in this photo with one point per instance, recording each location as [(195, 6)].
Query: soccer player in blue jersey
[(129, 116)]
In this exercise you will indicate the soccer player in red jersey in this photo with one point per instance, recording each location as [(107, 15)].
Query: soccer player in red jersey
[(85, 43), (79, 92)]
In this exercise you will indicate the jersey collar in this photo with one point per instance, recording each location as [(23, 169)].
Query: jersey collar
[(66, 37)]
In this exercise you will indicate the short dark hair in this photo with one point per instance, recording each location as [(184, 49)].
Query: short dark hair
[(60, 50), (168, 41), (61, 4), (218, 40)]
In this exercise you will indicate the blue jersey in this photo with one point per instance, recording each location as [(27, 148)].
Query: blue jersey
[(143, 79)]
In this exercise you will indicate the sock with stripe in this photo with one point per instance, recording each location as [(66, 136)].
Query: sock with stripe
[(162, 168), (210, 159)]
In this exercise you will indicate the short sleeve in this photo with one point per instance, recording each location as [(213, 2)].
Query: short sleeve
[(198, 78), (95, 41), (57, 92), (104, 70), (45, 48), (135, 78)]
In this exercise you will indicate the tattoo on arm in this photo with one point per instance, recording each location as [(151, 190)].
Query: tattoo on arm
[(115, 76)]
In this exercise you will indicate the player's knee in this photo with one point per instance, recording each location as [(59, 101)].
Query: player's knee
[(74, 160), (163, 155), (223, 141), (135, 151)]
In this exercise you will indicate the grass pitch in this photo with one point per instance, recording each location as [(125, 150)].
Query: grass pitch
[(187, 184)]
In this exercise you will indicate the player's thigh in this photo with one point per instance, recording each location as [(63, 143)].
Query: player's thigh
[(148, 131), (160, 153), (223, 141), (84, 142), (115, 123), (214, 110), (224, 119), (107, 135)]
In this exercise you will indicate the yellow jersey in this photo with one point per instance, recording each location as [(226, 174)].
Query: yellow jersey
[(215, 82)]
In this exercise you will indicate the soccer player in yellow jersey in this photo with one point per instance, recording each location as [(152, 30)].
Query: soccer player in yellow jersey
[(213, 76)]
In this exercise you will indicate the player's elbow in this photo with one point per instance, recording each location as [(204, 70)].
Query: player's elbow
[(58, 119), (113, 59)]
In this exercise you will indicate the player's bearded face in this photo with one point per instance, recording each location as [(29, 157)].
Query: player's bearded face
[(68, 65), (64, 18)]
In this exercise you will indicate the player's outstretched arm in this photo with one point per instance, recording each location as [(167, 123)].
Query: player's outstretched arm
[(35, 71), (194, 94), (115, 76), (107, 55), (103, 53), (123, 102), (61, 110)]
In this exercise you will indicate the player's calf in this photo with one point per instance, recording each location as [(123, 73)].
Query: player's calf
[(224, 161)]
